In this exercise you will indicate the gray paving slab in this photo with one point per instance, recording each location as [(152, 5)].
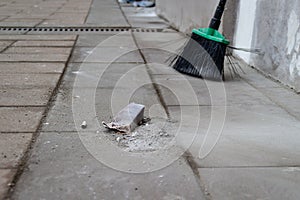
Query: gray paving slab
[(20, 119), (106, 55), (159, 56), (252, 183), (66, 16), (12, 148), (61, 168), (92, 40), (28, 80), (6, 176), (108, 12), (38, 37), (207, 92), (61, 116), (33, 57), (25, 97), (107, 75), (22, 24), (43, 43), (256, 79), (244, 135), (39, 50), (4, 45), (143, 17), (2, 17), (137, 89), (287, 99), (62, 22), (160, 40), (122, 39), (147, 22), (31, 68), (161, 69)]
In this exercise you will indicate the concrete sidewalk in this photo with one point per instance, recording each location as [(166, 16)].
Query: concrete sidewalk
[(236, 141)]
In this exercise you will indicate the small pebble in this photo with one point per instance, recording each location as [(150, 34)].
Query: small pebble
[(134, 134), (10, 184), (84, 125)]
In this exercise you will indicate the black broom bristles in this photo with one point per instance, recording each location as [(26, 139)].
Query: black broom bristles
[(202, 58)]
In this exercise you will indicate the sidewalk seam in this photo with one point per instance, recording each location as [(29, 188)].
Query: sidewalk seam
[(188, 157)]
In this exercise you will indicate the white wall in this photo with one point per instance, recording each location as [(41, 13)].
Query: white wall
[(245, 27)]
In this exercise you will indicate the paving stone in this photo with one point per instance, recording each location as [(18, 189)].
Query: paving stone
[(33, 57), (28, 80), (38, 37), (157, 56), (92, 40), (6, 177), (107, 74), (12, 148), (122, 39), (61, 162), (106, 54), (252, 183), (254, 78), (243, 136), (44, 43), (5, 43), (25, 97), (161, 69), (160, 40), (287, 99), (38, 50), (147, 22), (20, 119), (65, 22), (30, 68), (193, 91), (61, 116), (67, 16), (20, 22), (109, 15), (3, 17), (138, 90)]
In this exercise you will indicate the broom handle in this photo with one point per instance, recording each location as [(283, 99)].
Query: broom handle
[(216, 20)]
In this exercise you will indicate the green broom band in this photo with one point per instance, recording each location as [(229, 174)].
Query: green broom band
[(211, 34)]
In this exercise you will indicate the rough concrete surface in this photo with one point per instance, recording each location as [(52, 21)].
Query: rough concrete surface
[(12, 148), (31, 68), (252, 183), (18, 119), (205, 140), (6, 176), (60, 171)]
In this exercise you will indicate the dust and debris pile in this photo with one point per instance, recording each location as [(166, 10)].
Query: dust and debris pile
[(151, 136)]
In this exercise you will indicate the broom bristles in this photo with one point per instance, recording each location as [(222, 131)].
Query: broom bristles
[(202, 58)]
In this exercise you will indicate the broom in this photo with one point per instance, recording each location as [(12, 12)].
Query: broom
[(203, 55)]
